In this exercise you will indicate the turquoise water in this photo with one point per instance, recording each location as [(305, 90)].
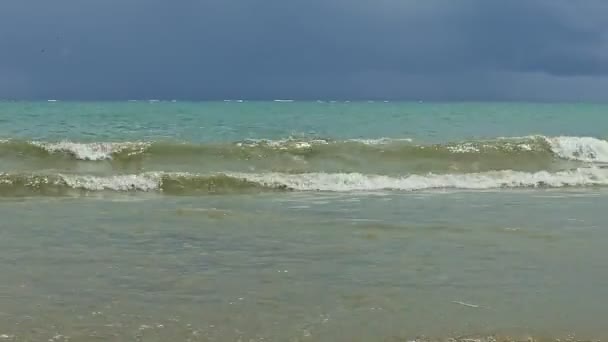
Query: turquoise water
[(302, 221), (231, 121)]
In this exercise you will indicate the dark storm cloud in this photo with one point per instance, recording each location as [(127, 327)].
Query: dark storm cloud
[(212, 49)]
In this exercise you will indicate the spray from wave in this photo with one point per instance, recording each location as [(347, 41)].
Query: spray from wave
[(92, 151), (585, 149)]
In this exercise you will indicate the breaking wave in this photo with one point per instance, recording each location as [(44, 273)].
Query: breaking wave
[(93, 151), (171, 183), (585, 149), (345, 182), (301, 165), (226, 183)]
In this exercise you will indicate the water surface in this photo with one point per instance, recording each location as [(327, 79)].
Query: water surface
[(301, 221)]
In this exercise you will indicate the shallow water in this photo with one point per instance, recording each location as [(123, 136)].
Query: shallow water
[(301, 221), (304, 267)]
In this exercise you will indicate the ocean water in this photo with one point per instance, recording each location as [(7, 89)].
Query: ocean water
[(302, 221)]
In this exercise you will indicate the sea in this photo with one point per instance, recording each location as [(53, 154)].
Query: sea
[(303, 221)]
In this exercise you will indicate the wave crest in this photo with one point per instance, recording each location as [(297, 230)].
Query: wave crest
[(586, 149), (93, 151), (196, 184), (372, 156), (344, 182)]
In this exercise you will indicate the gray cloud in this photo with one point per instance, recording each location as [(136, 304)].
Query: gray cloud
[(213, 49)]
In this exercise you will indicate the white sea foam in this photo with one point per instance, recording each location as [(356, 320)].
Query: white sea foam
[(380, 141), (142, 182), (587, 149), (283, 143), (304, 143), (479, 146), (92, 151), (471, 181), (334, 182), (464, 148)]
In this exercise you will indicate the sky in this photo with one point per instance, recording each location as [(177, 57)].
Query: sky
[(442, 50)]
